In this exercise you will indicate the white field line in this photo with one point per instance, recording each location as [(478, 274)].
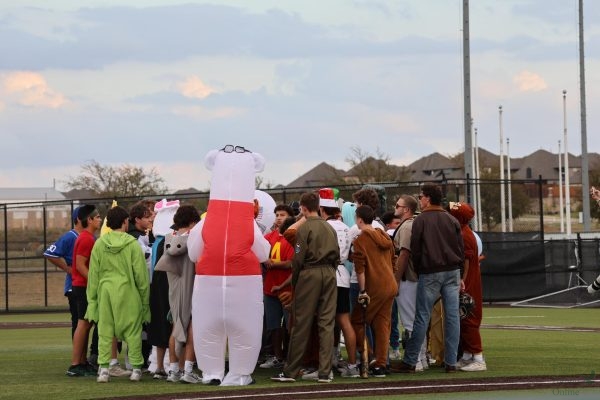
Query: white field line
[(487, 385), (515, 316)]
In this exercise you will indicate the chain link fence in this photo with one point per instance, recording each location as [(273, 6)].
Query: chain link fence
[(30, 283)]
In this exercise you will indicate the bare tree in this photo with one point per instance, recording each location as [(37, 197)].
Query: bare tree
[(117, 181), (365, 168)]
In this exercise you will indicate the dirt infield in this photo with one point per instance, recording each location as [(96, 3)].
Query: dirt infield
[(378, 387)]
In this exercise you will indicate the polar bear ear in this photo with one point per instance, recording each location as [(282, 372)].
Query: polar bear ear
[(209, 160), (259, 162)]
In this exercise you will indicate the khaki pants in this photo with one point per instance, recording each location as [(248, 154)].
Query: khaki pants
[(315, 293)]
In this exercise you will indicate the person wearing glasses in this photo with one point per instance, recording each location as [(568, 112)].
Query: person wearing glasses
[(437, 252), (227, 248), (407, 278)]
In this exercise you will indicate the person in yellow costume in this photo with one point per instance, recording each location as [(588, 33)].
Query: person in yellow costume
[(118, 293)]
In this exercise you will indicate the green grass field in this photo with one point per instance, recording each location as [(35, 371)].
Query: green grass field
[(33, 361)]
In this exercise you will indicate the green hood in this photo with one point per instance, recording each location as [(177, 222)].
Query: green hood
[(115, 241)]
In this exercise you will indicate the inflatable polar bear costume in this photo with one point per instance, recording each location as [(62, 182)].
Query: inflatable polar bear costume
[(228, 247)]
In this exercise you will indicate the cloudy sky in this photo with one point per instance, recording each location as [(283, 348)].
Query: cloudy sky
[(158, 83)]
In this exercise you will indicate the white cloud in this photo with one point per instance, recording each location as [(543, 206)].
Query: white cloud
[(528, 81), (194, 87), (31, 89), (203, 113)]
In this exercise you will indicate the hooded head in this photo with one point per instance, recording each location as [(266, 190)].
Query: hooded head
[(463, 212)]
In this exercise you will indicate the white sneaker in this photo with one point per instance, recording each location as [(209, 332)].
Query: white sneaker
[(117, 371), (273, 362), (190, 377), (419, 366), (103, 376), (350, 372), (314, 376), (463, 363), (394, 354), (174, 376), (136, 375), (475, 366)]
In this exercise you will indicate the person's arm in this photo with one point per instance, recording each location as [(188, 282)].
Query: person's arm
[(283, 284), (401, 264), (60, 263), (82, 266)]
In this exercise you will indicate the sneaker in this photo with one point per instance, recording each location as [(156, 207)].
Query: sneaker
[(475, 366), (377, 372), (103, 376), (174, 376), (314, 376), (89, 370), (160, 374), (93, 361), (424, 363), (462, 362), (273, 362), (325, 379), (450, 369), (76, 370), (190, 377), (419, 367), (394, 354), (350, 372), (136, 375), (282, 377), (117, 371)]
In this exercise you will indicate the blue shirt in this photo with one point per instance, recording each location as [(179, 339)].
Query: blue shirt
[(63, 248)]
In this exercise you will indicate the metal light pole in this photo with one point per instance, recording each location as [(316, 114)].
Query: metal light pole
[(508, 176), (567, 184), (468, 156), (560, 190), (502, 205), (585, 178), (478, 174)]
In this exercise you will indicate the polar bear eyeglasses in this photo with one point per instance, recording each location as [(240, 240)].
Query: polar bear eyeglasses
[(238, 149)]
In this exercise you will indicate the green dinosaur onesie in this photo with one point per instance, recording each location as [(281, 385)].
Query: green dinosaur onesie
[(118, 294)]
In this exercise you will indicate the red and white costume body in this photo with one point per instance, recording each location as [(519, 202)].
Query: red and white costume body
[(228, 247)]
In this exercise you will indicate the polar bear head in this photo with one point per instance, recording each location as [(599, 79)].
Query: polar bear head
[(234, 171)]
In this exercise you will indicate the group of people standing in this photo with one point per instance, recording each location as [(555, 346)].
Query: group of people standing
[(425, 258), (334, 269), (108, 284)]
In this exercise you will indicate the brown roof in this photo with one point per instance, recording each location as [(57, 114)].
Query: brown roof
[(320, 175)]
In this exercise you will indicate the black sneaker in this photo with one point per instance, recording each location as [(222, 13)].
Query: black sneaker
[(377, 372), (76, 370), (89, 369)]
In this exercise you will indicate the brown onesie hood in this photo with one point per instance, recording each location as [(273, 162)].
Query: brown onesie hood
[(381, 239)]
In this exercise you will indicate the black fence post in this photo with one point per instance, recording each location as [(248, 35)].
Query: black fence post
[(45, 224), (541, 205), (6, 257)]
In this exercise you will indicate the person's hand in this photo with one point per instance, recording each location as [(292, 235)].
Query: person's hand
[(595, 193), (363, 298), (462, 285), (268, 263), (275, 288)]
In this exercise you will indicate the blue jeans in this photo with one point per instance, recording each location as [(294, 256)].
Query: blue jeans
[(429, 288)]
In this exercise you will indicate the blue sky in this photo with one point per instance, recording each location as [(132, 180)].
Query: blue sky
[(159, 83)]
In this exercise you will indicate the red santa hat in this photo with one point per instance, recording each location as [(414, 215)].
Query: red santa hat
[(327, 198)]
